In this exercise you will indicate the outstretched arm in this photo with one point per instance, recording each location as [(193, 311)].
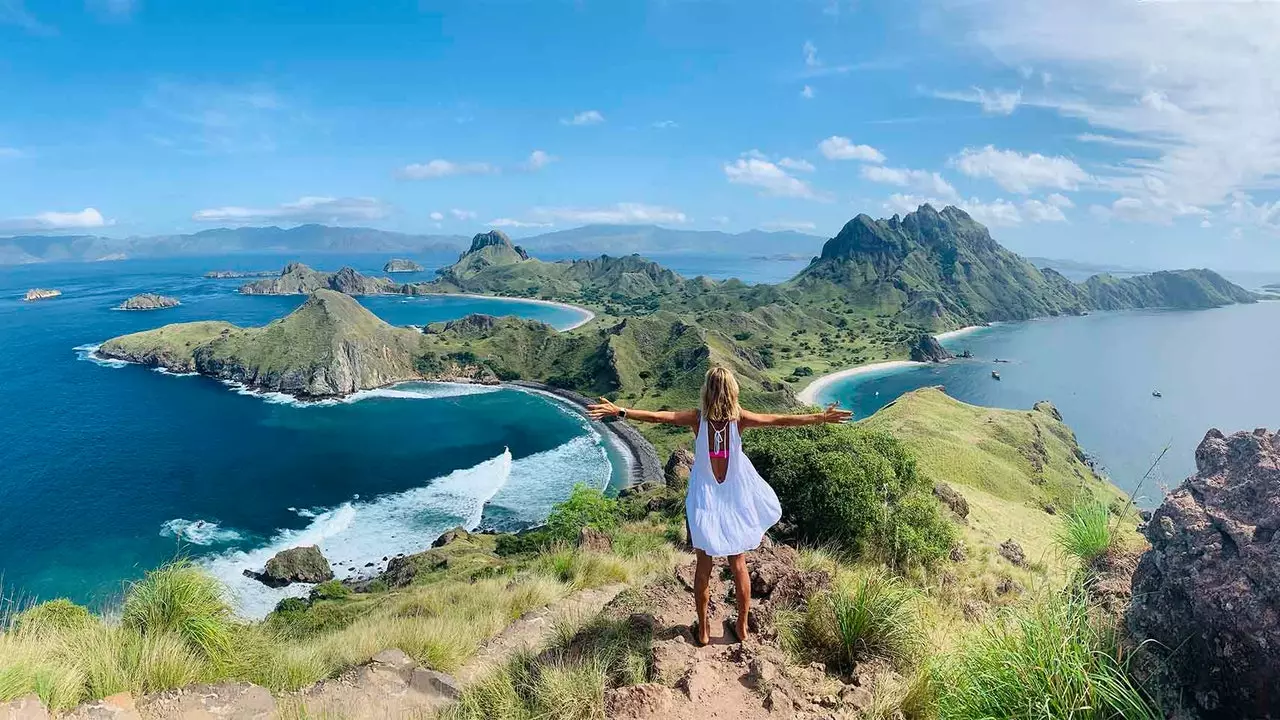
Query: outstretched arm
[(605, 409), (832, 414)]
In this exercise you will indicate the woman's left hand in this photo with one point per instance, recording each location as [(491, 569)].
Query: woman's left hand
[(603, 409)]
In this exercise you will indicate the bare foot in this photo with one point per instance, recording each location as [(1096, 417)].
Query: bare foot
[(741, 630), (701, 633)]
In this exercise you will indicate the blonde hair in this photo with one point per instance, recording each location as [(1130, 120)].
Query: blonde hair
[(720, 395)]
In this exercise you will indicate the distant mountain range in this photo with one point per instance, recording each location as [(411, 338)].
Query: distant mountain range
[(583, 241)]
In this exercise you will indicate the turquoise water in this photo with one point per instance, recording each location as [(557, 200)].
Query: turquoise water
[(107, 469), (1214, 368)]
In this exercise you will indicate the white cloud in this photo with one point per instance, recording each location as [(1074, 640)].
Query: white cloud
[(993, 102), (1059, 200), (807, 92), (842, 148), (1206, 224), (587, 117), (811, 54), (798, 225), (1040, 211), (666, 124), (996, 213), (720, 219), (14, 12), (539, 159), (304, 210), (1244, 211), (445, 168), (437, 216), (796, 164), (1191, 81), (85, 219), (769, 178), (919, 180), (509, 222), (1020, 173), (617, 214), (462, 214)]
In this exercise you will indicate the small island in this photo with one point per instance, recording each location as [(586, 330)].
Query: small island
[(400, 265), (233, 274), (40, 294), (148, 301)]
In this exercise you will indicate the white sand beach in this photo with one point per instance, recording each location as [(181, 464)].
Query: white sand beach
[(810, 393), (587, 315)]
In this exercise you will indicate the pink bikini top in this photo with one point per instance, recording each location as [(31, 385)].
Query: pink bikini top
[(718, 443)]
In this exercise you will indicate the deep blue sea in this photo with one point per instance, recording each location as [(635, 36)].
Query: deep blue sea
[(108, 469), (1213, 368)]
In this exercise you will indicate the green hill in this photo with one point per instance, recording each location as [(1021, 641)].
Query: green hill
[(1181, 289)]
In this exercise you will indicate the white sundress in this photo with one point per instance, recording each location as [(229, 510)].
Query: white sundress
[(730, 517)]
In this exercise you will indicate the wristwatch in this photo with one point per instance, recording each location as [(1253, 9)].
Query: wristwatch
[(622, 413)]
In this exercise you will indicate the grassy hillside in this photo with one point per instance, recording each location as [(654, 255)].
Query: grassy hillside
[(1181, 289)]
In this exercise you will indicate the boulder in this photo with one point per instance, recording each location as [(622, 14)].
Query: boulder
[(401, 571), (676, 471), (927, 349), (296, 565), (114, 707), (458, 533), (1010, 550), (434, 684), (948, 496), (224, 700), (27, 707), (593, 540), (1208, 590), (638, 702)]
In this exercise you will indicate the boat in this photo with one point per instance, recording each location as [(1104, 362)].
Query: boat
[(1156, 393), (995, 375)]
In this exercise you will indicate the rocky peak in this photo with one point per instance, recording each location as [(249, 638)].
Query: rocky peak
[(490, 239), (1208, 590), (294, 268)]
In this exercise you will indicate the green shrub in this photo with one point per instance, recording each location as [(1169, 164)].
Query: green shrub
[(331, 590), (1053, 660), (1086, 531), (585, 507), (530, 541), (53, 615), (183, 599), (871, 615), (853, 488)]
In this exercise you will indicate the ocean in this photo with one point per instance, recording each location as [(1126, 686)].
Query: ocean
[(108, 469), (1213, 368)]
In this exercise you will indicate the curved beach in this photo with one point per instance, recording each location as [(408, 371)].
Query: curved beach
[(589, 315), (809, 395)]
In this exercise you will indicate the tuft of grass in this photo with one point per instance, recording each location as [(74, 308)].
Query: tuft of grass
[(869, 614), (1053, 660), (183, 599), (1086, 531), (53, 616)]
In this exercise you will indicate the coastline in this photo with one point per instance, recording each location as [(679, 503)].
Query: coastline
[(642, 458), (809, 395), (590, 314)]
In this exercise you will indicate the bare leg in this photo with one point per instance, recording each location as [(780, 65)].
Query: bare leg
[(742, 591), (702, 595)]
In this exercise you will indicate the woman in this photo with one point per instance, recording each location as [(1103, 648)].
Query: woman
[(729, 506)]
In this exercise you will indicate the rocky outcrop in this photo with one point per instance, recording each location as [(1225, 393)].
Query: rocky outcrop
[(1208, 590), (1010, 550), (149, 301), (928, 349), (593, 540), (295, 565), (243, 701), (952, 498), (679, 466), (400, 265), (298, 279), (458, 533), (40, 294)]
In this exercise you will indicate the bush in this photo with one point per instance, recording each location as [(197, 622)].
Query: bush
[(585, 507), (54, 615), (867, 616), (183, 599), (331, 590), (1086, 531), (1053, 660), (856, 489)]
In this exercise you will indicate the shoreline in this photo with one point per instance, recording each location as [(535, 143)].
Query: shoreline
[(809, 395), (590, 314)]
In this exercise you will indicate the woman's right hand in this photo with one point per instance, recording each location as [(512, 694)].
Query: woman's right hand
[(603, 409)]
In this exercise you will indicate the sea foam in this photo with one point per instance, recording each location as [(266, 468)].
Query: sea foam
[(90, 353), (198, 532), (402, 391), (355, 534)]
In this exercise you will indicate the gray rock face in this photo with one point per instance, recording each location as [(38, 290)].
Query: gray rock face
[(27, 707), (593, 540), (928, 349), (1208, 590), (149, 301), (950, 497), (458, 533), (298, 279), (296, 565), (676, 471), (40, 294), (400, 265)]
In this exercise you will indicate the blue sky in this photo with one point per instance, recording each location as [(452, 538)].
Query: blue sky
[(1140, 133)]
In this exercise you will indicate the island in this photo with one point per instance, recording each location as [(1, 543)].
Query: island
[(880, 291), (232, 274), (400, 265), (35, 294), (149, 301)]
